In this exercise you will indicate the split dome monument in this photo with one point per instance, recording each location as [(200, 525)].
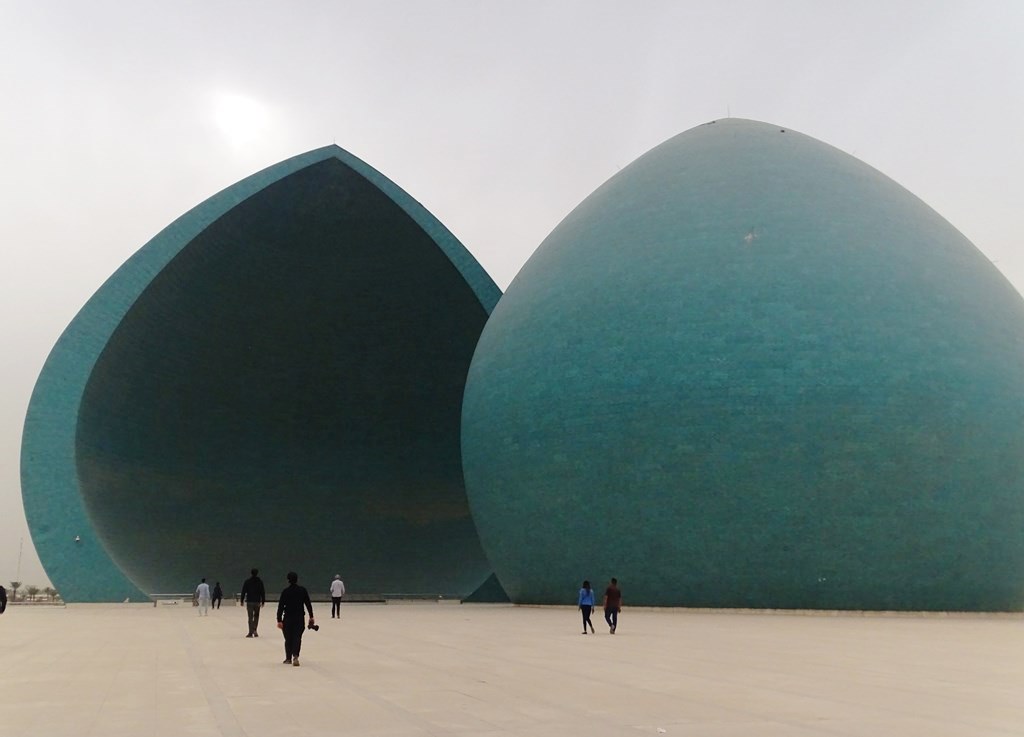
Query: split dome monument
[(275, 381), (748, 371)]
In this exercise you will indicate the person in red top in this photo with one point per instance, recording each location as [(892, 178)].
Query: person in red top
[(612, 605)]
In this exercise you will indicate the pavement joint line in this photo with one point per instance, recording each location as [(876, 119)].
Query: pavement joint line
[(222, 712), (313, 666), (380, 701), (103, 702), (579, 712)]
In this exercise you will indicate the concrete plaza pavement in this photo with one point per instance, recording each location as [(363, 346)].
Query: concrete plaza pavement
[(493, 670)]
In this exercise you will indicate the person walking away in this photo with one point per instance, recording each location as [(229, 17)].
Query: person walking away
[(586, 605), (203, 597), (218, 594), (254, 596), (291, 617), (612, 605), (337, 591), (3, 599)]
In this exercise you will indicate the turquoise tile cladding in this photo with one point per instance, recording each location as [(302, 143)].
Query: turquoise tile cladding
[(751, 371)]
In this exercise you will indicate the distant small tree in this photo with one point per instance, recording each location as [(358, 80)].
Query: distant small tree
[(51, 593), (15, 585), (31, 591)]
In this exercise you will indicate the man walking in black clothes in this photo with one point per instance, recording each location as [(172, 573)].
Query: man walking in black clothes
[(3, 599), (612, 605), (291, 617), (254, 596)]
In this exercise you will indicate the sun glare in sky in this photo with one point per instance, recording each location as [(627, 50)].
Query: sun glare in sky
[(240, 119)]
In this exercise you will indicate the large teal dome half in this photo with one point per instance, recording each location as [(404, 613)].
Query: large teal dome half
[(274, 380), (752, 371)]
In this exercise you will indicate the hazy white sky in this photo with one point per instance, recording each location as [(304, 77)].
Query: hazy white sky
[(499, 117)]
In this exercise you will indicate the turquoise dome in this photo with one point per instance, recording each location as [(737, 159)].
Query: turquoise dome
[(752, 371), (274, 380)]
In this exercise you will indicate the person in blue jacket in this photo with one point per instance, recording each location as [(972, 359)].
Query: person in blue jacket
[(586, 605)]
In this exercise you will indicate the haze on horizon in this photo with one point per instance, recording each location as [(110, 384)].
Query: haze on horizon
[(498, 119)]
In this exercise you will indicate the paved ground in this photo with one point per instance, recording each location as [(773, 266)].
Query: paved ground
[(489, 671)]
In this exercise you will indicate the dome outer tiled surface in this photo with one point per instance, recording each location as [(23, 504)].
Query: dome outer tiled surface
[(751, 371)]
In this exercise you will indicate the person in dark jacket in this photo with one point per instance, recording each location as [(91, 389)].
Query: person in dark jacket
[(612, 605), (3, 599), (291, 617), (218, 594), (254, 596)]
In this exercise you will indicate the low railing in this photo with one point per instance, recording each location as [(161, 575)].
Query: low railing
[(171, 598), (326, 598), (418, 597), (348, 598)]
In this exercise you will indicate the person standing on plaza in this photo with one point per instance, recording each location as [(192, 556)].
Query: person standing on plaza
[(3, 599), (612, 605), (254, 596), (203, 597), (337, 591), (291, 617), (586, 605), (218, 594)]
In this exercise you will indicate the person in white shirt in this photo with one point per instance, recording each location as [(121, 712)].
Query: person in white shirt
[(337, 591), (203, 597)]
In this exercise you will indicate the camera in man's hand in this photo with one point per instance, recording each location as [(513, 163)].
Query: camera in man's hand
[(313, 626)]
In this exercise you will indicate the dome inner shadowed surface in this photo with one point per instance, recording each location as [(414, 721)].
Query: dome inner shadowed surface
[(285, 393)]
